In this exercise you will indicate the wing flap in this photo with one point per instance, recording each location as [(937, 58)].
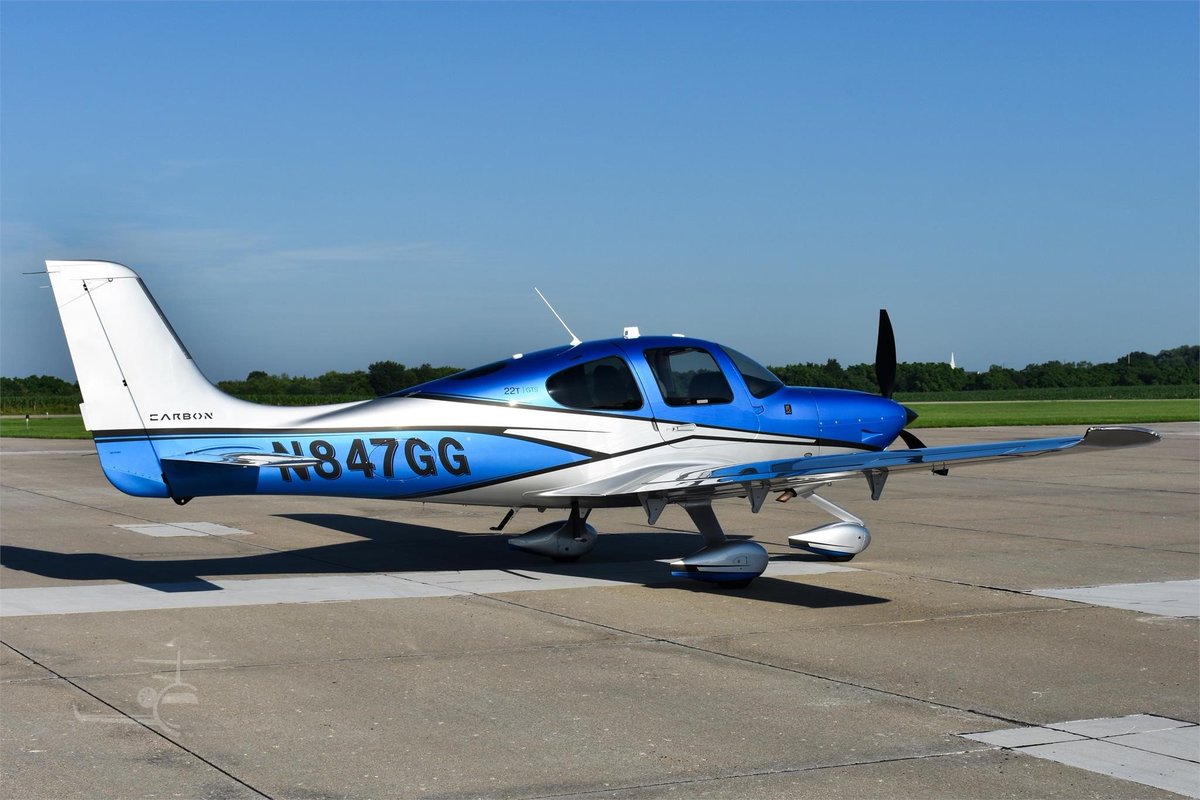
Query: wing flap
[(793, 473), (623, 483)]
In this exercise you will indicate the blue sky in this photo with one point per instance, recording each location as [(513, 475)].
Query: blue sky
[(308, 187)]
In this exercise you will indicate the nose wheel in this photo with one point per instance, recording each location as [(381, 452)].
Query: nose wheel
[(837, 541)]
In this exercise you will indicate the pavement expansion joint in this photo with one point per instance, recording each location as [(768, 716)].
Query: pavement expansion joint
[(1048, 538), (1180, 599), (58, 499), (764, 773), (1142, 748), (1161, 598), (73, 682), (686, 645)]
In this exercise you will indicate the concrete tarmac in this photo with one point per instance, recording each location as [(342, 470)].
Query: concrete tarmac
[(327, 648)]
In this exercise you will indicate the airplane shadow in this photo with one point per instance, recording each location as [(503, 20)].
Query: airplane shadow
[(389, 546)]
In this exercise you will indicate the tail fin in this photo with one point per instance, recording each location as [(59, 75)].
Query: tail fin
[(135, 375), (133, 371)]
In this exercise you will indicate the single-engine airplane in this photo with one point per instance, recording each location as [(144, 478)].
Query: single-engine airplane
[(636, 421)]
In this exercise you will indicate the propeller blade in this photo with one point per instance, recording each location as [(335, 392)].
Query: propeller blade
[(911, 440), (885, 356)]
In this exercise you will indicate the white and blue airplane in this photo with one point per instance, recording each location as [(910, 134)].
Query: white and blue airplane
[(637, 421)]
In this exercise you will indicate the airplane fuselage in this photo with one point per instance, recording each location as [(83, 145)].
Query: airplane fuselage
[(543, 429)]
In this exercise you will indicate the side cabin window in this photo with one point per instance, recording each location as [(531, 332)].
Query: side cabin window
[(688, 376), (602, 385)]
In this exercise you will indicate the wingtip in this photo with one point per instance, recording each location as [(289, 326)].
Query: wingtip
[(1119, 436)]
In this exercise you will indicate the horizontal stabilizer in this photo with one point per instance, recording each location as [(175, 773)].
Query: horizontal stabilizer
[(245, 459)]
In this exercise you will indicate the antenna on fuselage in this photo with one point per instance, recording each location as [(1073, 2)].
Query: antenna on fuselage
[(575, 340)]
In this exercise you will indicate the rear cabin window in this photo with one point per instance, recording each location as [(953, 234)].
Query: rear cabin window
[(688, 376), (479, 372), (602, 385), (465, 375)]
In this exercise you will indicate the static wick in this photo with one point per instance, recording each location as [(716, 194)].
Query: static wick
[(575, 340)]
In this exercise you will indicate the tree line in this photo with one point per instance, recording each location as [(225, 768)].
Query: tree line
[(1179, 366), (380, 378)]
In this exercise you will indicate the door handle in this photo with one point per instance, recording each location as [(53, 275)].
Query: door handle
[(687, 426)]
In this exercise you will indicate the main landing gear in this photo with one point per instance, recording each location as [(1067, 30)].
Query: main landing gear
[(729, 564), (733, 565), (561, 541)]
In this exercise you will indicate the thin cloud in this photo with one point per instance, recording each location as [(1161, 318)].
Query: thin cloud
[(223, 252), (371, 253)]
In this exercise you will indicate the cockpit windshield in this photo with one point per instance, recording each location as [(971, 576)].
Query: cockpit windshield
[(759, 380)]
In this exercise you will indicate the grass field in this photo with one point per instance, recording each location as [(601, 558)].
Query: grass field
[(1054, 412), (933, 415), (66, 427)]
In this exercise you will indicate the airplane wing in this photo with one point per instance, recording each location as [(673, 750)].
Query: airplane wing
[(683, 482)]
